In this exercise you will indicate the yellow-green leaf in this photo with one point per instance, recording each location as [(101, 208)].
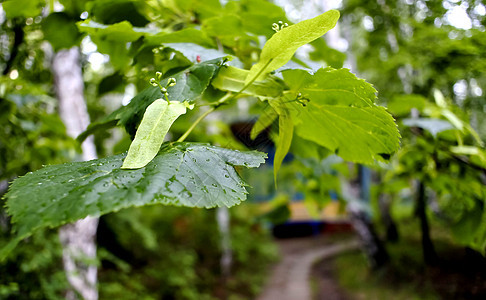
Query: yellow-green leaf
[(280, 48), (233, 79), (156, 122), (285, 133)]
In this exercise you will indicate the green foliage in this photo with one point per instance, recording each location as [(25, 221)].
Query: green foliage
[(401, 105), (112, 39), (22, 8), (32, 135), (157, 254), (183, 174), (35, 270), (61, 31), (115, 11), (331, 108), (340, 108)]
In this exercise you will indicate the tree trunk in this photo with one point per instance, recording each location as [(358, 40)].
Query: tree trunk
[(430, 256), (78, 239), (371, 244), (223, 219), (384, 204)]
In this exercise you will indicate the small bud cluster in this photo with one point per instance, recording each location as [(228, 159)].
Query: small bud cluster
[(279, 26), (156, 82), (157, 50), (302, 100)]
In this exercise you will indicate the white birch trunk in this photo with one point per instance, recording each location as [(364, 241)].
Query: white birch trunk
[(78, 239), (223, 219)]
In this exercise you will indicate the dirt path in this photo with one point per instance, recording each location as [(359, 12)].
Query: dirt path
[(290, 277)]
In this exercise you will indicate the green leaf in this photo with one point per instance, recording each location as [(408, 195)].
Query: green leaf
[(340, 115), (337, 87), (280, 48), (114, 11), (285, 134), (322, 52), (186, 35), (156, 122), (191, 83), (401, 105), (120, 32), (61, 31), (256, 15), (22, 8), (233, 79), (113, 39), (268, 116), (225, 26), (466, 229), (182, 174), (113, 82)]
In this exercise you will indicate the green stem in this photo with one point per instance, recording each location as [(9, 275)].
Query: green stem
[(229, 96), (201, 117), (253, 79), (205, 114)]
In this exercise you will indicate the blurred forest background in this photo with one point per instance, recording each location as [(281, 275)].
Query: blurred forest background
[(423, 213)]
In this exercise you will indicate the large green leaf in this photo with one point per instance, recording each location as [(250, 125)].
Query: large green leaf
[(156, 122), (341, 115), (182, 174), (191, 83), (280, 48)]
